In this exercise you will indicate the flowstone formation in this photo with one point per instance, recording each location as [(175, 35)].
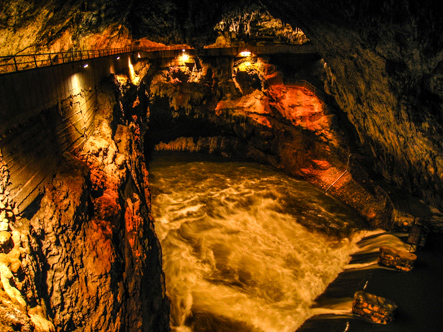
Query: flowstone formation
[(21, 309)]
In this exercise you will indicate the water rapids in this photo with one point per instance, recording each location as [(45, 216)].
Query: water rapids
[(245, 248)]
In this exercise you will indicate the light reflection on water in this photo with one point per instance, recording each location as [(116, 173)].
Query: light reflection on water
[(245, 248)]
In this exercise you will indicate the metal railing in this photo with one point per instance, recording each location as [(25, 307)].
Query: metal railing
[(14, 63), (20, 62), (305, 84), (346, 171)]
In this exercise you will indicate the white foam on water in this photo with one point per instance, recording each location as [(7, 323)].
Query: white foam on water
[(234, 244)]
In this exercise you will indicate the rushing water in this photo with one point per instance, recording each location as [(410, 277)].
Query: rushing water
[(245, 248)]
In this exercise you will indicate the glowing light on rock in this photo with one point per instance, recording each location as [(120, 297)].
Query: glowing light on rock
[(245, 53), (132, 75), (76, 82), (184, 57)]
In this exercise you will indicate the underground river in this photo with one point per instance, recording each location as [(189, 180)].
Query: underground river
[(245, 248)]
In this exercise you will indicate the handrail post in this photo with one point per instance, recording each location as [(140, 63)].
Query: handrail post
[(15, 63), (35, 61)]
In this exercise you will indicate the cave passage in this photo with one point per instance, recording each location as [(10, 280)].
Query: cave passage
[(245, 248)]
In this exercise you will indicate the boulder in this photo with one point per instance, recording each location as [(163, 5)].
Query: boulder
[(401, 260), (376, 308)]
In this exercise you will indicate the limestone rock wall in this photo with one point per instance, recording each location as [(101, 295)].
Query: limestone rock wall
[(88, 258), (43, 114), (53, 26), (384, 63), (97, 258)]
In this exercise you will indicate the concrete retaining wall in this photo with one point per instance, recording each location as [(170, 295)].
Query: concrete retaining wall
[(43, 113)]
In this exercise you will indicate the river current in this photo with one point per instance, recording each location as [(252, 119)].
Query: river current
[(245, 248)]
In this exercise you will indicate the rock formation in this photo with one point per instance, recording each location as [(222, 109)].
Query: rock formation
[(84, 255), (375, 308), (89, 251), (400, 260), (248, 111), (384, 63)]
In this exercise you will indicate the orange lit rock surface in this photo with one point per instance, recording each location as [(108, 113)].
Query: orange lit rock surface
[(99, 256), (93, 213), (401, 260), (287, 126), (376, 308), (63, 34)]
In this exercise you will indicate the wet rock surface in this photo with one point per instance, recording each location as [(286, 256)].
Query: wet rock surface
[(400, 260), (376, 308), (102, 258)]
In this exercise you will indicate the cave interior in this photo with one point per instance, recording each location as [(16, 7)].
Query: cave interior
[(345, 95)]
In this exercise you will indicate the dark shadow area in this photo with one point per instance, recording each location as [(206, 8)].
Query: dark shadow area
[(418, 294), (33, 208), (204, 322)]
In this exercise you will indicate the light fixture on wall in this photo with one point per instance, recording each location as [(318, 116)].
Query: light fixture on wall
[(245, 53), (118, 58), (85, 65)]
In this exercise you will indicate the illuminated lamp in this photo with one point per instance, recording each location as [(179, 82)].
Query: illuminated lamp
[(118, 58), (245, 53), (85, 65), (139, 55)]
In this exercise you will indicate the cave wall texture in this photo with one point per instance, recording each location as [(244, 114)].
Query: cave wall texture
[(384, 60), (90, 242), (385, 71)]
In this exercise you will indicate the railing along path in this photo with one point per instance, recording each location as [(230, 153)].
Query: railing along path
[(20, 62)]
